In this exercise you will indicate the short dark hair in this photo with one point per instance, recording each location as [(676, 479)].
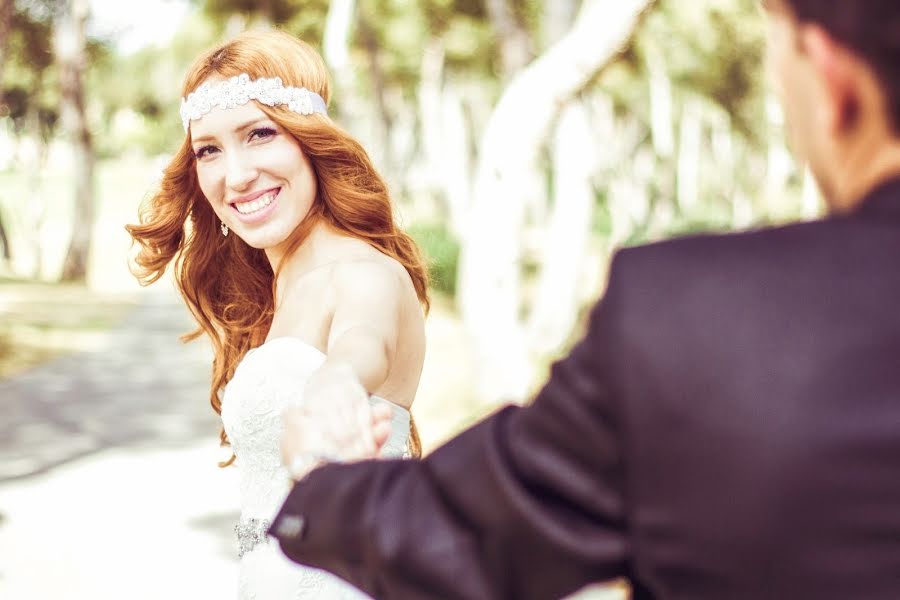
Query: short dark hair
[(871, 28)]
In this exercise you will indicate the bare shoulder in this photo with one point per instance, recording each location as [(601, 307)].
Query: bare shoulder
[(373, 276)]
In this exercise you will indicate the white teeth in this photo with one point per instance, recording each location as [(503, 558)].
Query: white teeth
[(245, 208)]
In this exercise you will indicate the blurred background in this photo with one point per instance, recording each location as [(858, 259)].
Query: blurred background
[(523, 140)]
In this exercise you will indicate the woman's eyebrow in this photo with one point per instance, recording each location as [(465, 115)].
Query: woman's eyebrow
[(239, 129)]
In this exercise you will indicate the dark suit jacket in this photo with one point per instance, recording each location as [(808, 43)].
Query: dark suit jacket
[(728, 428)]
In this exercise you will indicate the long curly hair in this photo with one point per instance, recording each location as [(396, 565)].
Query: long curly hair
[(234, 306)]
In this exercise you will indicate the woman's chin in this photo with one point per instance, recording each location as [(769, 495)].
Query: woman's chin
[(263, 242)]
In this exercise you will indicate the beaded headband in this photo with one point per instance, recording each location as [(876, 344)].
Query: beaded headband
[(240, 90)]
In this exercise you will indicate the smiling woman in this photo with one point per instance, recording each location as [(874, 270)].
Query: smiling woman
[(315, 259), (256, 177)]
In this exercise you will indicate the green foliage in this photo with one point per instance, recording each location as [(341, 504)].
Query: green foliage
[(308, 22), (713, 49), (441, 248), (276, 12), (143, 114), (29, 94)]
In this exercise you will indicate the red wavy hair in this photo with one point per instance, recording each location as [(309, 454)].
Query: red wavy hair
[(234, 305)]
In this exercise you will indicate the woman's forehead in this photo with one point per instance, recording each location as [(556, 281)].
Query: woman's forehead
[(222, 121)]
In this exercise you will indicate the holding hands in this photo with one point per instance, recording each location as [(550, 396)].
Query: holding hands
[(335, 423)]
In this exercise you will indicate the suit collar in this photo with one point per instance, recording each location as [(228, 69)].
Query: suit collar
[(883, 200)]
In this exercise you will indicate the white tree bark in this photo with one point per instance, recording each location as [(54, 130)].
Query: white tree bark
[(346, 106), (779, 162), (336, 38), (661, 114), (515, 46), (456, 159), (689, 156), (558, 18), (431, 76), (489, 290), (6, 9), (381, 118), (34, 215), (555, 307), (445, 138), (235, 24), (70, 50)]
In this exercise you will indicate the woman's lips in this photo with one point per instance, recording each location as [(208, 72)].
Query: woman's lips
[(258, 209)]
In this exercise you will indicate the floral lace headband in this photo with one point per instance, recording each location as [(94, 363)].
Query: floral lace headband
[(240, 90)]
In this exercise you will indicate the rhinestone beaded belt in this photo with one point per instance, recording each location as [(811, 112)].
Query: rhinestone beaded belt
[(251, 532)]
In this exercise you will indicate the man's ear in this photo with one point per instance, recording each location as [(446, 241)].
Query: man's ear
[(833, 67)]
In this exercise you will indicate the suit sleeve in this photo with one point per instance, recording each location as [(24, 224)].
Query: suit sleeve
[(526, 504)]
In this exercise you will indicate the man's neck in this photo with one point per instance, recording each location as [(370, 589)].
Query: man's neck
[(862, 171)]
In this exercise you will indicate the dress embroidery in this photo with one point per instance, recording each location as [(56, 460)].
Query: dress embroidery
[(268, 380)]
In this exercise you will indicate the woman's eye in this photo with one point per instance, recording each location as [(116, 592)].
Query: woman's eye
[(262, 133), (204, 151)]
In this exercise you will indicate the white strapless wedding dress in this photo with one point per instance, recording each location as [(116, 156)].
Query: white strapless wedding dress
[(267, 380)]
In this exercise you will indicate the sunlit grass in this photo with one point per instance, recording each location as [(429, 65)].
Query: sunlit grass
[(41, 321)]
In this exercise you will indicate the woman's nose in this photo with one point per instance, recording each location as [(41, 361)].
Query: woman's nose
[(240, 173)]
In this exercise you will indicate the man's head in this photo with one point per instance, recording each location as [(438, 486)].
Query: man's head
[(836, 66)]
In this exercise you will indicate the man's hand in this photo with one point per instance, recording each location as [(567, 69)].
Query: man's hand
[(335, 423)]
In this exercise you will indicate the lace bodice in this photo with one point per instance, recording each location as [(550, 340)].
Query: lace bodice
[(268, 380)]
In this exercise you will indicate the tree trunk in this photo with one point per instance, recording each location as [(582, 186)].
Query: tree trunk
[(235, 24), (370, 123), (515, 44), (266, 10), (779, 163), (661, 117), (489, 290), (336, 51), (70, 50), (336, 40), (431, 130), (6, 10), (558, 18), (383, 120), (456, 164), (689, 156), (34, 211), (6, 13), (444, 138), (556, 304)]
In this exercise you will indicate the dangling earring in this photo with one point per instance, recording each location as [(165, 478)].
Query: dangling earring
[(224, 229)]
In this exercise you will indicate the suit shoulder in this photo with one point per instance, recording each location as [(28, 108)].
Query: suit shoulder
[(699, 272), (712, 251)]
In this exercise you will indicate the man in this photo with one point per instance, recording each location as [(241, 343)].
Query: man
[(729, 427)]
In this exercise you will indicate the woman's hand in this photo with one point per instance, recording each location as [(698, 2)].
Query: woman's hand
[(335, 423)]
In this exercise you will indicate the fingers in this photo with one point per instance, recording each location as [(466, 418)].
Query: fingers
[(382, 411), (294, 438), (363, 434), (381, 421), (336, 420), (381, 431)]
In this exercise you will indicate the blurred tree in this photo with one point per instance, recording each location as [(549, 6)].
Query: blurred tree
[(271, 12), (691, 81), (557, 18), (516, 47), (70, 44), (6, 13), (563, 253), (30, 102), (490, 278)]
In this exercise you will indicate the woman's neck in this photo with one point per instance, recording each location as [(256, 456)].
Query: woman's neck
[(313, 250)]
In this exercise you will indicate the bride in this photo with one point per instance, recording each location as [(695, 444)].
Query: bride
[(285, 249)]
